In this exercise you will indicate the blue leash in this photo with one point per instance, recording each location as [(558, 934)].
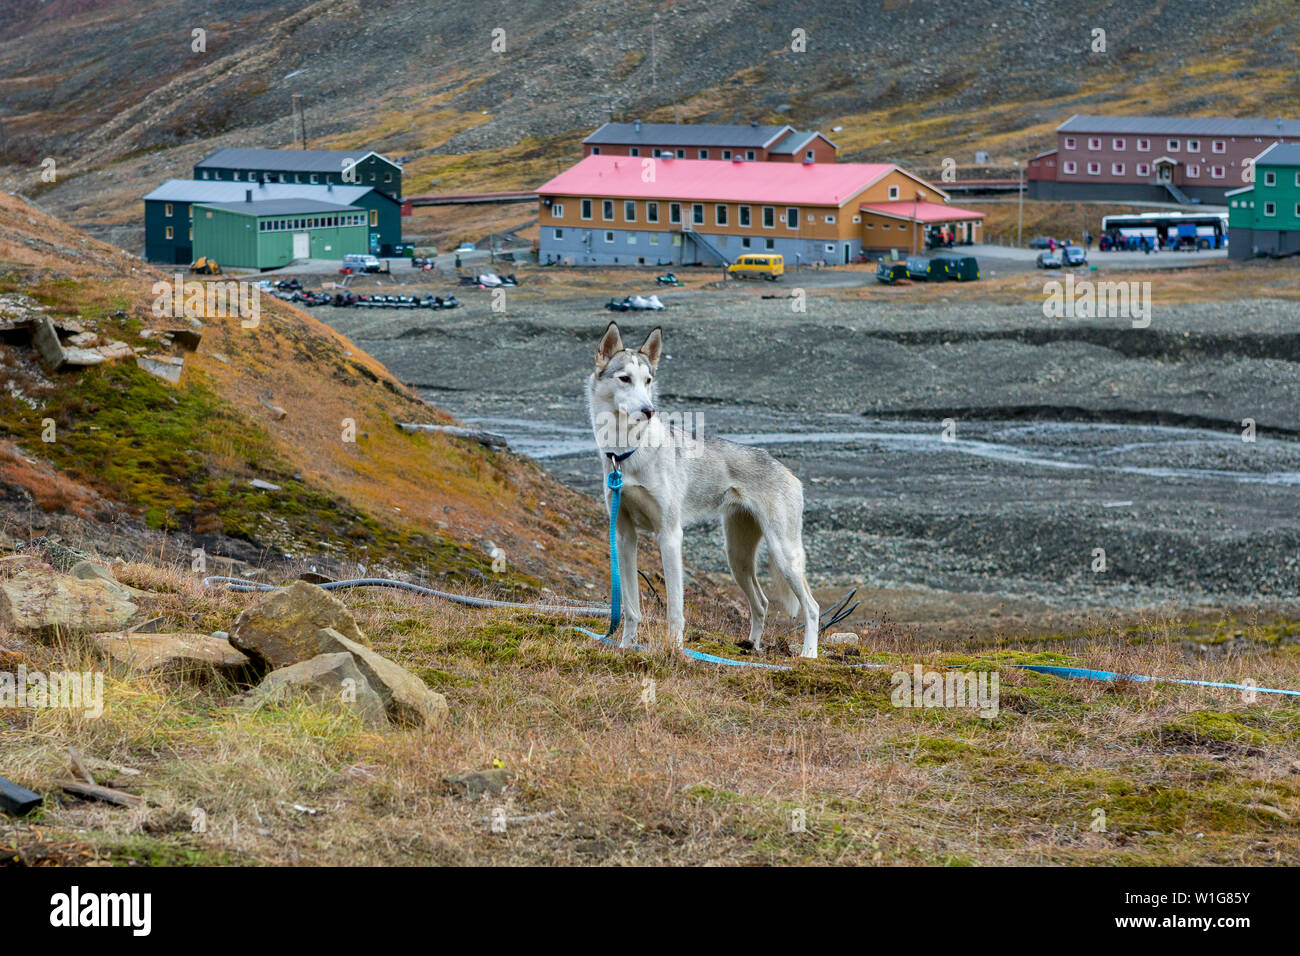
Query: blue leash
[(614, 481)]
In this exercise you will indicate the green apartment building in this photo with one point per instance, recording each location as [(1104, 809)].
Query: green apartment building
[(1264, 218), (269, 233)]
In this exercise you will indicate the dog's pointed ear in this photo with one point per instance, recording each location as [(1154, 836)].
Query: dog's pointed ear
[(653, 347), (611, 343)]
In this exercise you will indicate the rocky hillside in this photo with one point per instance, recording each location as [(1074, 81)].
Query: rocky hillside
[(119, 98), (137, 432)]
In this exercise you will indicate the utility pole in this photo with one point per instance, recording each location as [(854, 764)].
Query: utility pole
[(654, 56), (1020, 212), (300, 121)]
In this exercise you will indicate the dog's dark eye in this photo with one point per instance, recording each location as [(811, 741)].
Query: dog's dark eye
[(625, 378)]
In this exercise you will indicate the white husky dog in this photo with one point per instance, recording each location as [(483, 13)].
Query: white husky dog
[(672, 479)]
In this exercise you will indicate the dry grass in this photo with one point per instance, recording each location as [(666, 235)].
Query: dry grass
[(709, 773)]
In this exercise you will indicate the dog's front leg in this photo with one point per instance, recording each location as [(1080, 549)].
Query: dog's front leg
[(629, 583), (670, 551)]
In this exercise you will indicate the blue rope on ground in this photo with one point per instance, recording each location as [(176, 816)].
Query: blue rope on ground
[(615, 611)]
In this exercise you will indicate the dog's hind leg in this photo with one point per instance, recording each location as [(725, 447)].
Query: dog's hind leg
[(786, 549), (629, 583), (743, 536)]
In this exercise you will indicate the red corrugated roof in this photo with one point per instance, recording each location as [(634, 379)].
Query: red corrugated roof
[(923, 212), (811, 184)]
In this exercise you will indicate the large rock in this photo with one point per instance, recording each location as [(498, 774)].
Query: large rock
[(90, 571), (407, 699), (282, 629), (176, 651), (37, 600), (332, 679)]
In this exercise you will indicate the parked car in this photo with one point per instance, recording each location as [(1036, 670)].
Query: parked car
[(1040, 242), (361, 263), (890, 272), (958, 267), (919, 267), (1074, 256), (768, 265), (1049, 260), (466, 247)]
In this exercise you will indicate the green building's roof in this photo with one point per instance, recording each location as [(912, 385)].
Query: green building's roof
[(280, 207)]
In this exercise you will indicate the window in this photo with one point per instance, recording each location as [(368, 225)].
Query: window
[(191, 233), (681, 154), (559, 233), (167, 208), (1172, 145), (1094, 169), (1117, 145), (607, 210), (1297, 179), (658, 152), (205, 174), (769, 217), (388, 177), (697, 213), (830, 219), (284, 178), (1297, 210), (857, 219), (654, 238), (595, 150), (374, 217), (792, 217), (634, 151), (744, 242), (674, 212), (1218, 146), (769, 243), (893, 192), (236, 174), (1270, 179), (1144, 146), (586, 209), (1270, 209), (1216, 172), (720, 214), (704, 154), (609, 235), (1193, 171), (1070, 167), (170, 233), (557, 210), (629, 210), (631, 238), (189, 210), (1117, 169), (1070, 142), (743, 215), (1193, 145), (1094, 142), (726, 154), (313, 177), (652, 212), (749, 155), (1144, 169), (808, 155)]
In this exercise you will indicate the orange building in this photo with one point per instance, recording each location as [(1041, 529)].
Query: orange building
[(623, 210)]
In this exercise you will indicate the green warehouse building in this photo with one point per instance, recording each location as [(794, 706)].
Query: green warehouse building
[(1264, 219), (269, 233)]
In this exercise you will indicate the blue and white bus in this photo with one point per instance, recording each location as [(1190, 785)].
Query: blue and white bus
[(1167, 230)]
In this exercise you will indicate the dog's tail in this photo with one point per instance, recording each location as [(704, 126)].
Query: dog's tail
[(781, 590)]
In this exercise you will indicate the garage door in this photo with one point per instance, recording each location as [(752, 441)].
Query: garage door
[(301, 245)]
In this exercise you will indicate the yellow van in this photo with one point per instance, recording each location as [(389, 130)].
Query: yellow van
[(769, 265)]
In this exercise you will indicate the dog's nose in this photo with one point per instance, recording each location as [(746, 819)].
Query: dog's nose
[(648, 412)]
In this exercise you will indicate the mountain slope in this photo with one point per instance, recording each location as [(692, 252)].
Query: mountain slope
[(181, 457), (116, 95)]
